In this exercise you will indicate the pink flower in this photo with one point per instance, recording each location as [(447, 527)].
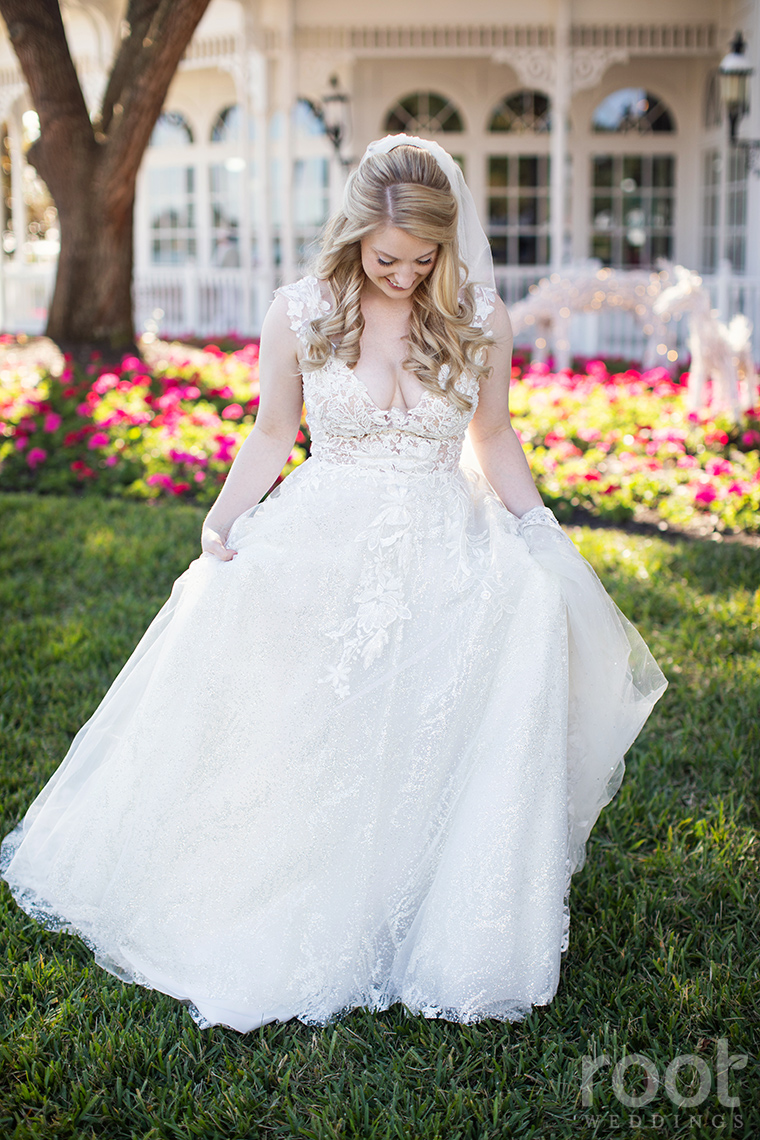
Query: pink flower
[(687, 461), (21, 442), (131, 364), (36, 456), (111, 460), (98, 439), (718, 467), (232, 412), (199, 476), (83, 409), (105, 382), (160, 479), (738, 488), (191, 392), (51, 422), (706, 494), (751, 438)]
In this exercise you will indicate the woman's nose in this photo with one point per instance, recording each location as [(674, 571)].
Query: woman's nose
[(405, 276)]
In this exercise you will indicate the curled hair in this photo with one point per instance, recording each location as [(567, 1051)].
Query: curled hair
[(405, 188)]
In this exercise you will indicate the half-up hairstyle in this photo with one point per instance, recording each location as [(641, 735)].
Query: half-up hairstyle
[(405, 188)]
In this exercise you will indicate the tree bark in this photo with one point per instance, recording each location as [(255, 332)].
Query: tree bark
[(91, 168)]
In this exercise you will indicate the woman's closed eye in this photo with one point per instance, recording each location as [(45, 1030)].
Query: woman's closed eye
[(427, 261)]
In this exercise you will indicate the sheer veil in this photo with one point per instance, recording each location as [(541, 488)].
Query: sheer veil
[(474, 247)]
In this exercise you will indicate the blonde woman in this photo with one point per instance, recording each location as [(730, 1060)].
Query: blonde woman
[(355, 758)]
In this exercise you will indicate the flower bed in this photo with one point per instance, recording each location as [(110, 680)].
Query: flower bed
[(616, 444)]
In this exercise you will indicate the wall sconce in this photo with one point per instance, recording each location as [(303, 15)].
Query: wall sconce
[(735, 72), (334, 113)]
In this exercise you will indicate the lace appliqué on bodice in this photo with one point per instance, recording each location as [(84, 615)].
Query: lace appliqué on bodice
[(348, 428)]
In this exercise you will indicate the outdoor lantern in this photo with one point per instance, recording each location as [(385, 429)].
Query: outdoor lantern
[(735, 72), (335, 114)]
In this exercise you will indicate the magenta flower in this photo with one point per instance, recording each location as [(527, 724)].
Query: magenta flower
[(160, 479), (36, 456), (98, 439), (51, 422), (706, 494)]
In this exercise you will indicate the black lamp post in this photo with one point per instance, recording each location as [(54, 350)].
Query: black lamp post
[(735, 72), (334, 114)]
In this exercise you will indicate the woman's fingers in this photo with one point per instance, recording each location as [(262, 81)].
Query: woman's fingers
[(218, 549)]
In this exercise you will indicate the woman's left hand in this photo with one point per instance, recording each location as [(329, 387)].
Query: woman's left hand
[(212, 543)]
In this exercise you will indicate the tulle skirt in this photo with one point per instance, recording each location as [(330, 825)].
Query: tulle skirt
[(356, 765)]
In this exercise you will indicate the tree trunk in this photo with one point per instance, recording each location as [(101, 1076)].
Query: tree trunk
[(91, 168), (91, 304)]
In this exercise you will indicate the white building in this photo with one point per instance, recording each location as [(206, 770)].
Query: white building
[(586, 129)]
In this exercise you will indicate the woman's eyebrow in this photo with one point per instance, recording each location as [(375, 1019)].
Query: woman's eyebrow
[(390, 257)]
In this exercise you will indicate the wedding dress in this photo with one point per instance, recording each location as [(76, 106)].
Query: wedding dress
[(358, 763)]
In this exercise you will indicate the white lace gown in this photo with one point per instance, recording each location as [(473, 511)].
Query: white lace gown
[(357, 764)]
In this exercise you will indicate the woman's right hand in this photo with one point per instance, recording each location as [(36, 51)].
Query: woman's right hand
[(212, 543)]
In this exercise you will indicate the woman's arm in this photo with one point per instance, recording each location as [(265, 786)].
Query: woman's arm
[(498, 449), (265, 451)]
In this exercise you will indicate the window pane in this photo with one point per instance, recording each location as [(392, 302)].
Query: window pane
[(663, 166), (626, 219), (497, 171), (497, 211), (527, 250), (632, 170), (527, 170), (603, 171), (499, 250), (171, 209)]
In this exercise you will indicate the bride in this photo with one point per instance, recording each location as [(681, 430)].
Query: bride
[(356, 756)]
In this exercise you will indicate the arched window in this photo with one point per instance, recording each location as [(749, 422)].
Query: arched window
[(226, 126), (171, 129), (522, 113), (424, 111), (632, 110)]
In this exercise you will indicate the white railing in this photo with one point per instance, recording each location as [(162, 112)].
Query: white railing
[(186, 301)]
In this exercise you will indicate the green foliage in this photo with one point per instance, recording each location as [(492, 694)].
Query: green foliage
[(664, 955)]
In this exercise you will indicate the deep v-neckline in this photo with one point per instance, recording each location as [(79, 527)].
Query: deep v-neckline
[(405, 413)]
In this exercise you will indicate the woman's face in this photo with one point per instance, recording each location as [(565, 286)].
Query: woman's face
[(395, 262)]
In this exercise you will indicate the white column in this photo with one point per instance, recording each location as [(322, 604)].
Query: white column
[(752, 130), (558, 142), (243, 99), (18, 205), (722, 265), (288, 98)]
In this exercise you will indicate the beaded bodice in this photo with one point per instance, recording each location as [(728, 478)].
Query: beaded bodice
[(348, 427)]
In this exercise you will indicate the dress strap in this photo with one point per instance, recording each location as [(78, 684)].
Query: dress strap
[(305, 303)]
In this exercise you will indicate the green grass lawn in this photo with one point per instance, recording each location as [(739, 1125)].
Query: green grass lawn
[(664, 955)]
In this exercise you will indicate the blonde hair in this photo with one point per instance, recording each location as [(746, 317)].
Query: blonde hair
[(405, 188)]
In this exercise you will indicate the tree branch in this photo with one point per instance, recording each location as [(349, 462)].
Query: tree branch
[(142, 97), (36, 31), (139, 15)]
